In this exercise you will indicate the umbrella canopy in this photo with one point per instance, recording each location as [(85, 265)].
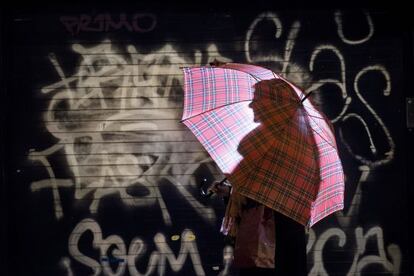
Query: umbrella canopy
[(274, 146)]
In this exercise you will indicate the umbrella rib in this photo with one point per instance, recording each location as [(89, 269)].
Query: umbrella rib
[(217, 107), (326, 140)]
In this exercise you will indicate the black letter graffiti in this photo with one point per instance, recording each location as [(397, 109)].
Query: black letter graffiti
[(139, 22)]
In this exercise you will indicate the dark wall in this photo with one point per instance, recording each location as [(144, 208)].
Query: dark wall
[(101, 178)]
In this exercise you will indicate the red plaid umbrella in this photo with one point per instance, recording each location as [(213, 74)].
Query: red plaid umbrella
[(273, 145)]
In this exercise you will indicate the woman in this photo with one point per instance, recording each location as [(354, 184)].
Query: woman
[(266, 242)]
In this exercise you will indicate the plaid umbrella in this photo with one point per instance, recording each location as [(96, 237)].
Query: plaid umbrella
[(274, 146)]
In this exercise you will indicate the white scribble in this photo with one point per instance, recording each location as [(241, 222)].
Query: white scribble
[(360, 261), (115, 258), (339, 24), (107, 117)]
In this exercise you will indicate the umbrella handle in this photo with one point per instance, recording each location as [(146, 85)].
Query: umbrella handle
[(224, 180), (205, 188)]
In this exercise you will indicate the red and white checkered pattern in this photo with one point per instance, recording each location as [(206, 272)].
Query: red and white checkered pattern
[(272, 147)]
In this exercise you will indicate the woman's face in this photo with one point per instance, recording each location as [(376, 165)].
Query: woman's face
[(254, 105)]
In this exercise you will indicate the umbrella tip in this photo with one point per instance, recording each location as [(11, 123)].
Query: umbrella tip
[(306, 96)]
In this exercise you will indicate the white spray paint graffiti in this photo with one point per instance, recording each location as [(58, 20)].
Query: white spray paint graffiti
[(138, 22), (341, 84), (389, 154), (113, 249), (339, 23), (343, 116), (360, 262), (109, 131), (288, 68)]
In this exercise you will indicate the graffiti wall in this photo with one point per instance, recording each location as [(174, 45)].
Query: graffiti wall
[(103, 179)]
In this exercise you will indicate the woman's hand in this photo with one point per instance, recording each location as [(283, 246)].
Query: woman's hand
[(220, 189)]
